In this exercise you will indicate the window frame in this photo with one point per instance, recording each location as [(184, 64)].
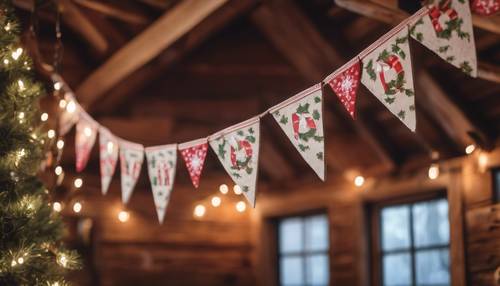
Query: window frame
[(377, 254), (496, 184), (304, 253)]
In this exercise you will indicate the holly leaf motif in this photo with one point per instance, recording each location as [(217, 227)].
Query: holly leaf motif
[(235, 175), (249, 170), (316, 115), (276, 113), (370, 71), (303, 148), (466, 68), (402, 40), (317, 99), (318, 138), (221, 152), (303, 108), (319, 155), (250, 139), (409, 92), (284, 119), (240, 132), (251, 131), (402, 114), (444, 49), (383, 55), (389, 100)]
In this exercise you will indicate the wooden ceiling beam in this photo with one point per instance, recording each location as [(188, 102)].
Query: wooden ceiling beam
[(311, 54), (174, 24), (131, 17)]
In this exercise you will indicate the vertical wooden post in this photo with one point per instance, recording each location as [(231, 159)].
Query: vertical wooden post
[(457, 234)]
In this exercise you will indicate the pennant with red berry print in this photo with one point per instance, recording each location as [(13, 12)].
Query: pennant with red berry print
[(194, 154), (301, 118), (237, 148), (344, 82), (387, 73), (69, 115), (131, 157), (86, 132), (446, 29), (162, 161), (108, 157), (486, 7)]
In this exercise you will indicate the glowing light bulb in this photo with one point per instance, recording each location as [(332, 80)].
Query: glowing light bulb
[(216, 201), (17, 53), (21, 153), (13, 263), (20, 260), (199, 211), (223, 189), (58, 170), (20, 115), (469, 149), (71, 107), (57, 207), (7, 27), (20, 83), (359, 181), (77, 207), (433, 172), (123, 216), (63, 260), (237, 190), (241, 206), (60, 144), (57, 85), (87, 131), (78, 183), (51, 133), (110, 147), (62, 103), (44, 117), (6, 62)]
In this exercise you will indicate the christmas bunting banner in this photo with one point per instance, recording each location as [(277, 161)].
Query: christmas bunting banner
[(447, 31), (301, 118), (131, 157), (162, 161), (194, 154), (486, 7), (69, 116), (86, 132), (388, 74), (344, 83), (237, 148), (108, 152)]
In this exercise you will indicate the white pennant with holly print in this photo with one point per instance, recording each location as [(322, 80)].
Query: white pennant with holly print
[(162, 161), (237, 148), (131, 157), (446, 29), (108, 157), (86, 132), (388, 74), (194, 154), (301, 118), (68, 118)]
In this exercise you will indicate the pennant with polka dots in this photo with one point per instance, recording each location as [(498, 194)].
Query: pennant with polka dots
[(345, 84), (194, 154)]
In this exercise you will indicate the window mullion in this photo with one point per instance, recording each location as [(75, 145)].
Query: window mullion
[(412, 247)]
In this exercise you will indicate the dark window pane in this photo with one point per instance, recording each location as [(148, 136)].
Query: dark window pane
[(316, 228), (430, 223), (290, 235), (317, 269), (395, 227), (291, 270), (432, 267), (397, 269), (497, 185)]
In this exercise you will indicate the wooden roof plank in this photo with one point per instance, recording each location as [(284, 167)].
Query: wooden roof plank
[(131, 17)]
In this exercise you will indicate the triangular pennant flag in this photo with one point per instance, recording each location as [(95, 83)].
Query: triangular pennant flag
[(345, 83), (162, 161), (388, 74), (301, 118), (486, 7), (69, 116), (446, 29), (131, 157), (194, 154), (86, 132), (108, 152), (237, 148)]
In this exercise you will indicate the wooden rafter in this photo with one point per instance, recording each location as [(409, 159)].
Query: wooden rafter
[(174, 24), (394, 16), (109, 10), (310, 53)]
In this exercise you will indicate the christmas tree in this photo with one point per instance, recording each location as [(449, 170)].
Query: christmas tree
[(30, 251)]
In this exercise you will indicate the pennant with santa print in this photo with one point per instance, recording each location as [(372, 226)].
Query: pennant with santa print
[(388, 74), (69, 116), (446, 29), (486, 7), (131, 157), (301, 118), (344, 82), (108, 152), (237, 148), (162, 161), (194, 154), (86, 132)]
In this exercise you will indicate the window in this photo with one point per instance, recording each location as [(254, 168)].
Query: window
[(303, 251), (496, 185), (414, 244)]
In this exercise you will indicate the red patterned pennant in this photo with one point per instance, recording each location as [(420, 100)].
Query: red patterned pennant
[(194, 153), (486, 7), (345, 84)]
